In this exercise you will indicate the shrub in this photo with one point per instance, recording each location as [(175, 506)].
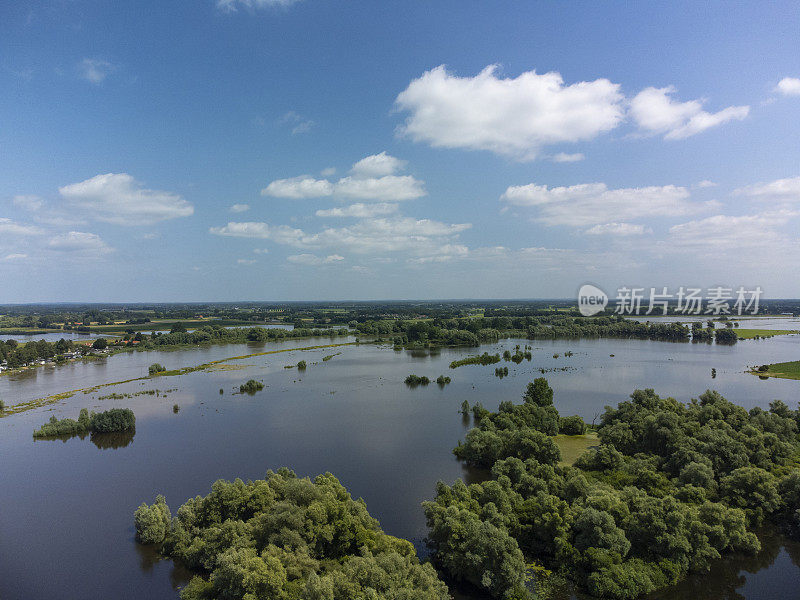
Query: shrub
[(251, 387), (442, 380), (301, 365), (156, 368), (415, 380), (100, 344), (573, 425)]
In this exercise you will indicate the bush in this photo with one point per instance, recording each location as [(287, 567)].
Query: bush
[(2, 406), (152, 522), (414, 380), (442, 380), (156, 368), (301, 366), (251, 387), (573, 425), (175, 408), (100, 344)]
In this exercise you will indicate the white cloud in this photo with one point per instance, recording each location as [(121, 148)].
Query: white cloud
[(261, 250), (590, 204), (240, 208), (118, 198), (95, 70), (245, 261), (724, 234), (15, 256), (705, 184), (563, 157), (78, 242), (296, 188), (313, 259), (514, 117), (779, 190), (399, 234), (789, 86), (387, 188), (359, 210), (378, 165), (298, 123), (372, 178), (618, 229), (9, 227), (232, 5), (328, 172), (655, 112), (28, 202)]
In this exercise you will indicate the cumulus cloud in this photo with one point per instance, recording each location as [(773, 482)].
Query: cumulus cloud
[(378, 165), (313, 259), (510, 116), (75, 242), (618, 229), (95, 70), (296, 188), (28, 202), (118, 198), (359, 210), (789, 86), (9, 227), (371, 178), (705, 184), (655, 112), (781, 190), (233, 5), (240, 208), (591, 204)]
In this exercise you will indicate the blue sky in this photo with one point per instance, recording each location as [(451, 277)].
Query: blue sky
[(264, 150)]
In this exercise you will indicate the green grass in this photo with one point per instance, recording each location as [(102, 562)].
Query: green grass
[(572, 446), (749, 334), (784, 370)]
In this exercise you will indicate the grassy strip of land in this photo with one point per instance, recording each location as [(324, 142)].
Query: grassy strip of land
[(572, 446), (749, 334), (784, 370), (23, 406)]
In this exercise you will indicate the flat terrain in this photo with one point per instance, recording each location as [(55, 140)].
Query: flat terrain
[(749, 334), (572, 446), (784, 370)]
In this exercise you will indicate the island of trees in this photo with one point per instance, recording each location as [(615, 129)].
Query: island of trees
[(286, 538), (110, 421), (671, 487)]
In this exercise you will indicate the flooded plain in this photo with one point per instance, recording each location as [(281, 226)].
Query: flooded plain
[(66, 506)]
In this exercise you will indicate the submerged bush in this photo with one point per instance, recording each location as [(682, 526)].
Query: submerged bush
[(251, 387), (415, 380), (156, 368), (442, 380), (152, 522)]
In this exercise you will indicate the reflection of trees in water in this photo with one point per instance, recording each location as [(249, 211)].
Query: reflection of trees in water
[(104, 441), (113, 440), (727, 575), (149, 557)]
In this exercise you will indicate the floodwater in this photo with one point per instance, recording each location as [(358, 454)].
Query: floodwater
[(66, 506)]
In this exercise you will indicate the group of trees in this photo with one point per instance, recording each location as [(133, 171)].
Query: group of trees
[(19, 355), (251, 387), (114, 420), (286, 538), (670, 488)]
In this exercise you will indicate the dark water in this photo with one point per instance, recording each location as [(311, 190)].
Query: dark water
[(66, 506)]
